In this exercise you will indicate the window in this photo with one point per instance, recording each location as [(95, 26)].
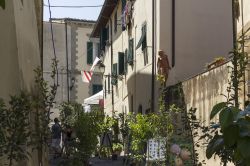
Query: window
[(126, 61), (104, 37), (105, 88), (130, 55), (115, 22), (98, 49), (109, 84), (140, 109), (96, 89), (143, 40), (114, 74), (121, 63), (89, 52), (143, 43)]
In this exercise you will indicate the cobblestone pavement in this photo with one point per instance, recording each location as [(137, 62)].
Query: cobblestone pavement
[(99, 162), (94, 162)]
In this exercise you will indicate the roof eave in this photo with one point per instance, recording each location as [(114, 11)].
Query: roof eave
[(106, 11)]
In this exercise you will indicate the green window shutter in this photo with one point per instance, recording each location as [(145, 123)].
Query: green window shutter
[(103, 38), (114, 74), (144, 41), (114, 69), (126, 61), (89, 52), (115, 22), (130, 52), (121, 63)]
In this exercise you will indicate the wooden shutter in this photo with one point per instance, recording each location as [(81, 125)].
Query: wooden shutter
[(115, 22), (126, 61), (144, 40), (103, 38), (109, 84), (130, 52), (89, 52), (114, 74), (121, 63), (114, 71)]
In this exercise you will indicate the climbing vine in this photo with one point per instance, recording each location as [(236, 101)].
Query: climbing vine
[(231, 135)]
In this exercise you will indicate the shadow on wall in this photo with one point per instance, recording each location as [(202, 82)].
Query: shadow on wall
[(139, 92)]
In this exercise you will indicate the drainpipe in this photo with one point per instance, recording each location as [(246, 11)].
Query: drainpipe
[(41, 38), (111, 46), (153, 59), (173, 33), (234, 61), (243, 50), (67, 58)]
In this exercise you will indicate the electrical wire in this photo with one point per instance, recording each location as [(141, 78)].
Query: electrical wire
[(53, 44), (62, 6)]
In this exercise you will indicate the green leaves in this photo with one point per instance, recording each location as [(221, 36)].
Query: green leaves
[(2, 4), (216, 109), (230, 135), (226, 117), (243, 147), (214, 145), (15, 127)]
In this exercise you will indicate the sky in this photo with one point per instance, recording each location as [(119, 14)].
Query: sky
[(80, 13)]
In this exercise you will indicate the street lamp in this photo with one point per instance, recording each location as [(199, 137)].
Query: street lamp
[(101, 67)]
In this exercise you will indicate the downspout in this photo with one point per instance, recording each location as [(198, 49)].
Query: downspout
[(41, 34), (243, 50), (67, 58), (173, 33), (153, 59), (234, 61), (111, 47), (135, 87)]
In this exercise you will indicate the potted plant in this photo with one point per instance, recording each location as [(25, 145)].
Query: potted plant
[(117, 148)]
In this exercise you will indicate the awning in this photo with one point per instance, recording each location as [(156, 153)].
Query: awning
[(94, 100)]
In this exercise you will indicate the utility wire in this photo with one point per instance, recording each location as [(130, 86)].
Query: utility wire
[(53, 43), (55, 6)]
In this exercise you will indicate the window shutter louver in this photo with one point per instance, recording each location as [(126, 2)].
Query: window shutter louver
[(126, 61), (89, 52), (121, 63), (114, 74), (131, 52), (144, 41)]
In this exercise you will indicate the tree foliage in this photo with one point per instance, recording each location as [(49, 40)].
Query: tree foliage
[(15, 128)]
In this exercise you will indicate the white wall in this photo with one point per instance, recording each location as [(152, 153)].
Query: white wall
[(137, 81), (203, 31), (78, 34)]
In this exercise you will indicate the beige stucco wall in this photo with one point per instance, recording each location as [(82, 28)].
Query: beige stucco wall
[(203, 31), (78, 34), (19, 51), (84, 90), (137, 81), (245, 14), (203, 92)]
